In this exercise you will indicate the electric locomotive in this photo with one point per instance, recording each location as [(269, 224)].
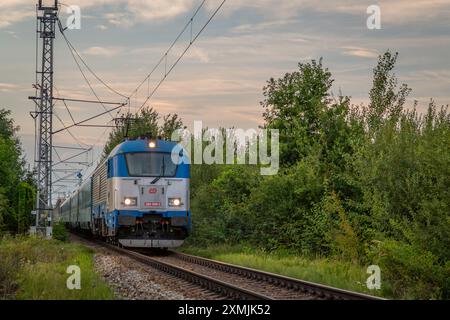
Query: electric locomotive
[(138, 197)]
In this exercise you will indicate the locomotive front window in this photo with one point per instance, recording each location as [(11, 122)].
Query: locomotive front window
[(150, 164)]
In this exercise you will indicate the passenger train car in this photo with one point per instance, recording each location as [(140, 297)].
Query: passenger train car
[(138, 197)]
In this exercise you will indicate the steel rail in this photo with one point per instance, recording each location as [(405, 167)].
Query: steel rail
[(225, 289), (229, 290), (316, 289)]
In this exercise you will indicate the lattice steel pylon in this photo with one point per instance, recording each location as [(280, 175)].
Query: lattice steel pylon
[(47, 18)]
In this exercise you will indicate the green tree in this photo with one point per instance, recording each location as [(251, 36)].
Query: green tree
[(12, 173), (171, 122), (144, 123), (369, 185), (295, 104), (385, 100)]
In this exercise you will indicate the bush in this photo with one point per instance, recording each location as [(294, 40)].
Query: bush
[(411, 272), (60, 232)]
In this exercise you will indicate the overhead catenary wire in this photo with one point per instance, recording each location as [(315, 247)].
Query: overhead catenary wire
[(193, 39), (79, 142), (91, 71), (88, 119), (101, 153), (68, 111), (167, 73), (85, 100), (81, 69), (81, 58), (72, 157), (164, 56), (67, 107), (57, 154)]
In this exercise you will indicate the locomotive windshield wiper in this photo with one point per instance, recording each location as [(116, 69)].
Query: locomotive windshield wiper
[(156, 180), (161, 175)]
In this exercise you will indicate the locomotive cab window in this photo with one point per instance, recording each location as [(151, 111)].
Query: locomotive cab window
[(150, 164)]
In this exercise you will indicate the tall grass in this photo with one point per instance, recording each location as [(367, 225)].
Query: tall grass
[(332, 272), (32, 269)]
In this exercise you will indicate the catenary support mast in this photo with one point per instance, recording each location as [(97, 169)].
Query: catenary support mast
[(47, 18)]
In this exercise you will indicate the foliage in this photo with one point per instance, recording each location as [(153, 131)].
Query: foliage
[(360, 184), (60, 232), (144, 123), (295, 104), (410, 272), (15, 182)]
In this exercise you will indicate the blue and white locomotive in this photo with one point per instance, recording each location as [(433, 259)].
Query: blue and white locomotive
[(138, 197)]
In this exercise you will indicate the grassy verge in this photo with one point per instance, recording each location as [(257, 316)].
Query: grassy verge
[(34, 269), (325, 271)]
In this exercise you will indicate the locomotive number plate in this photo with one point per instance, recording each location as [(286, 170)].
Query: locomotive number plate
[(152, 204)]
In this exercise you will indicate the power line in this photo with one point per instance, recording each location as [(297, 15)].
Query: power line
[(70, 148), (128, 99), (85, 101), (167, 73), (80, 143), (164, 56), (70, 113), (62, 122), (88, 119), (101, 153), (57, 154), (92, 72), (72, 157), (85, 64), (67, 108), (79, 67)]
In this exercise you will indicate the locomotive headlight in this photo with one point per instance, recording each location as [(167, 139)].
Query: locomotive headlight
[(174, 202), (152, 144), (130, 202)]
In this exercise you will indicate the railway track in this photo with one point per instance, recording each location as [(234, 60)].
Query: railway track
[(270, 285), (236, 282)]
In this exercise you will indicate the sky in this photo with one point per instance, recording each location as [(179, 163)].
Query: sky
[(220, 79)]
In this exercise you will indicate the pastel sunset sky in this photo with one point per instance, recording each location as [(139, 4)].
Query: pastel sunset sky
[(220, 80)]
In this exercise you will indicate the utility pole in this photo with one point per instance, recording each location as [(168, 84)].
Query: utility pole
[(47, 18)]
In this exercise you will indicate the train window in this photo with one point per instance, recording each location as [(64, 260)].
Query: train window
[(150, 164)]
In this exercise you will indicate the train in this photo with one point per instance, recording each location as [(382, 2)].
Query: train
[(137, 197)]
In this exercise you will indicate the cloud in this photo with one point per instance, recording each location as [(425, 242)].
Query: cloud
[(129, 12), (12, 34), (126, 13), (246, 28), (407, 11), (392, 12), (120, 19), (102, 51), (158, 9), (8, 18), (5, 87), (199, 54), (204, 87), (360, 52)]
